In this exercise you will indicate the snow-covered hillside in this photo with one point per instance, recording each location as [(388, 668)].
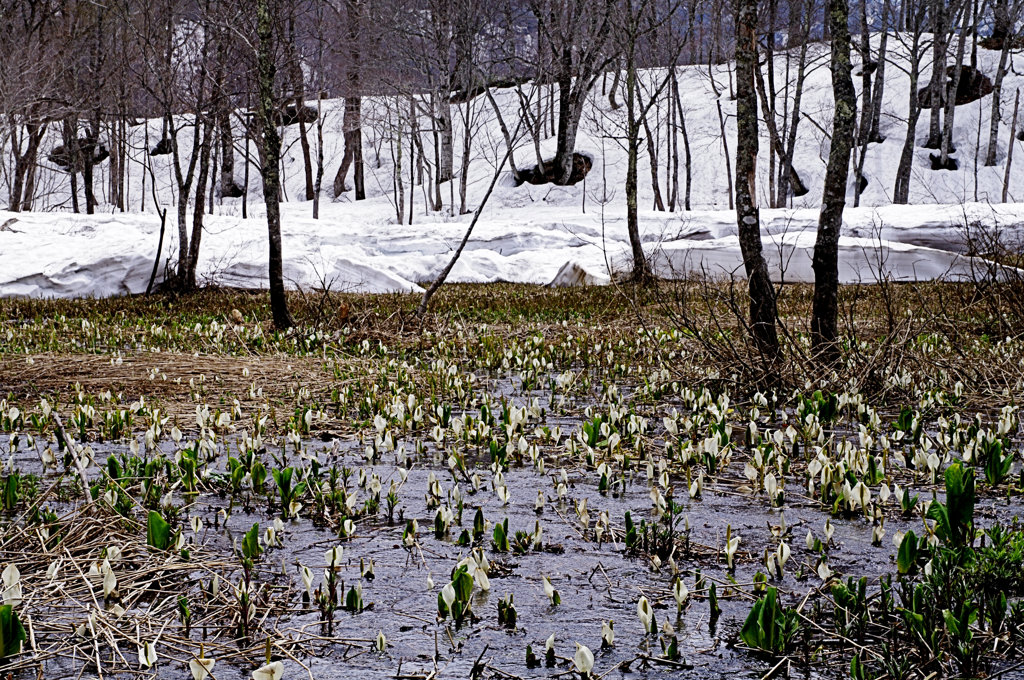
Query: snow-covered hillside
[(538, 234)]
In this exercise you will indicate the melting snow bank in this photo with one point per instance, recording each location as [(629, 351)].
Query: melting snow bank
[(64, 255)]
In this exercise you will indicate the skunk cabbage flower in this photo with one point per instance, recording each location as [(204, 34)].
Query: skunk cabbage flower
[(583, 660), (646, 614), (680, 593), (12, 592), (333, 556), (147, 654), (272, 671), (200, 667)]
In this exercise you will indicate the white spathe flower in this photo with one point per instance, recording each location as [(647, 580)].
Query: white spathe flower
[(333, 556), (109, 579), (12, 592), (680, 592), (782, 554), (549, 644), (730, 549), (448, 595), (645, 613), (381, 643), (549, 589), (307, 578), (608, 633), (200, 668), (147, 654), (583, 659), (272, 671)]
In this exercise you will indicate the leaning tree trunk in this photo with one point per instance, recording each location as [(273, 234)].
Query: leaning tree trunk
[(748, 218), (901, 189), (825, 307), (997, 93), (270, 168)]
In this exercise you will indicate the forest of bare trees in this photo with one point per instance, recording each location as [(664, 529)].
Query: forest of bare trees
[(217, 80)]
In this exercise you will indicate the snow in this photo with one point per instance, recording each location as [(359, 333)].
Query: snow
[(531, 234), (67, 255)]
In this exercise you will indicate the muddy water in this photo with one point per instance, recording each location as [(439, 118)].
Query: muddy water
[(596, 583)]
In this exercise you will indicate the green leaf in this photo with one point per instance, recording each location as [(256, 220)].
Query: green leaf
[(158, 531), (906, 557), (251, 543), (12, 633)]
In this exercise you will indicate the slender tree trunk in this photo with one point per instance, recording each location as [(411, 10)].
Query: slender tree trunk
[(686, 146), (198, 209), (318, 185), (641, 270), (950, 113), (270, 167), (748, 219), (825, 307), (20, 197), (997, 93), (875, 134), (652, 155), (938, 81), (1013, 143), (901, 190)]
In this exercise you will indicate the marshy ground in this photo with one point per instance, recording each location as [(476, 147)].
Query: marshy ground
[(378, 495)]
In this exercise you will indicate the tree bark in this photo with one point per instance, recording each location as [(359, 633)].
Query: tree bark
[(198, 210), (748, 219), (997, 92), (825, 307), (901, 189), (270, 167)]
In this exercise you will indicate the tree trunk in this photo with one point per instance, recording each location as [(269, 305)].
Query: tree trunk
[(748, 219), (298, 83), (875, 134), (1009, 151), (901, 190), (950, 113), (442, 115), (938, 81), (198, 210), (270, 167), (353, 157), (20, 197), (686, 145), (825, 307), (997, 93), (641, 270)]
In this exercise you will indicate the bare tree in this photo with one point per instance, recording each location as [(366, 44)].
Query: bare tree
[(267, 19), (748, 218), (1006, 14), (577, 34), (914, 17), (825, 307)]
